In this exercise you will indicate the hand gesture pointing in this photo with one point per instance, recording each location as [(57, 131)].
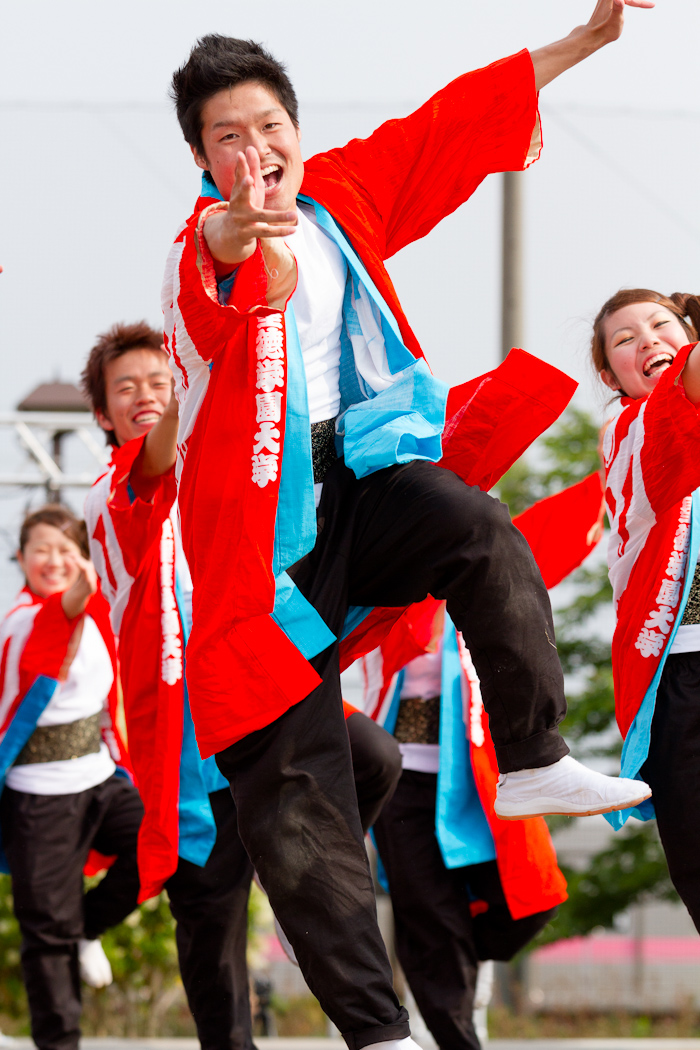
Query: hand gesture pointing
[(232, 234), (81, 590)]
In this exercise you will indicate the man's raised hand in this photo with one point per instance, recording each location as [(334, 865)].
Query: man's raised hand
[(232, 234), (604, 26), (609, 15)]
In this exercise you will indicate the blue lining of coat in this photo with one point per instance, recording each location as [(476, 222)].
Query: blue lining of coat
[(461, 827), (636, 746), (295, 524), (196, 824), (19, 731), (401, 423)]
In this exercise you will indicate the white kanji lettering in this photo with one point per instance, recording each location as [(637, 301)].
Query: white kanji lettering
[(685, 509), (271, 321), (267, 438), (661, 618), (681, 537), (171, 647), (674, 569), (269, 375), (276, 352), (669, 593), (269, 407), (171, 671), (269, 343), (649, 643), (170, 622), (264, 469)]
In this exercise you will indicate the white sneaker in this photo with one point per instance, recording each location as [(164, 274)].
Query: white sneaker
[(565, 787), (94, 964)]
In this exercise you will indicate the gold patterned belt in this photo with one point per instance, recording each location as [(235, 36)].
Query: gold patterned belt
[(323, 453), (62, 743), (691, 614), (418, 720)]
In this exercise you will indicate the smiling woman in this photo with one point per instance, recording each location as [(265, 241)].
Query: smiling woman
[(652, 463), (636, 336), (60, 792)]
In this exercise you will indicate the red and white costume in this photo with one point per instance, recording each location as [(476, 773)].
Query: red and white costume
[(652, 465), (135, 546), (486, 121)]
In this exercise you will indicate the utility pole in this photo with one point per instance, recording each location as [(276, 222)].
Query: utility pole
[(512, 311)]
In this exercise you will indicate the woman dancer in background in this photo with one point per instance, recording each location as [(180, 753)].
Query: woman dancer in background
[(63, 796), (651, 454)]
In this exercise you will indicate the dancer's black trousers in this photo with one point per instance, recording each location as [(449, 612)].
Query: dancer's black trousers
[(438, 942), (672, 771), (210, 906), (47, 839), (386, 540)]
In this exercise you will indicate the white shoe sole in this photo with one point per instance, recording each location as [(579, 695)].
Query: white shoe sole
[(550, 807)]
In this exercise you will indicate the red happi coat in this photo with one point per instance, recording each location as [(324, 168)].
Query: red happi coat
[(652, 461), (561, 531), (37, 642), (527, 863), (385, 192), (133, 547)]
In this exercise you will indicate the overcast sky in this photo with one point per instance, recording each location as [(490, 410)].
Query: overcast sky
[(92, 190), (96, 177)]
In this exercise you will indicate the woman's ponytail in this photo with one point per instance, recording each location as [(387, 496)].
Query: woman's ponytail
[(688, 307)]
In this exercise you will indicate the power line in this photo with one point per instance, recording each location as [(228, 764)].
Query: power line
[(629, 179), (345, 105), (557, 113)]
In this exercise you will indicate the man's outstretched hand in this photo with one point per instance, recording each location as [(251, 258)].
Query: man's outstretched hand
[(609, 16), (604, 26), (232, 234)]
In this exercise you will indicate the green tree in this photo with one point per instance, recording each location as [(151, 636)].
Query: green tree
[(633, 867), (13, 1001), (146, 998)]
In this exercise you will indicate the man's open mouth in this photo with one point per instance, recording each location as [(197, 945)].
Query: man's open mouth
[(656, 364), (271, 175)]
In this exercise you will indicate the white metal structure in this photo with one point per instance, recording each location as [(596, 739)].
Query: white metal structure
[(30, 427)]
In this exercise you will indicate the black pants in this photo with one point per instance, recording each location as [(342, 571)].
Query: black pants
[(672, 771), (376, 766), (47, 839), (438, 942), (210, 906), (389, 539)]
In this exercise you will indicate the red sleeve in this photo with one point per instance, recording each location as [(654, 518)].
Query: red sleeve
[(138, 506), (670, 457), (143, 488), (666, 443), (419, 169), (47, 651), (563, 529), (201, 326), (493, 419)]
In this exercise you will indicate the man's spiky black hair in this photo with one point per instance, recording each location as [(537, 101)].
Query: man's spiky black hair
[(217, 62)]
